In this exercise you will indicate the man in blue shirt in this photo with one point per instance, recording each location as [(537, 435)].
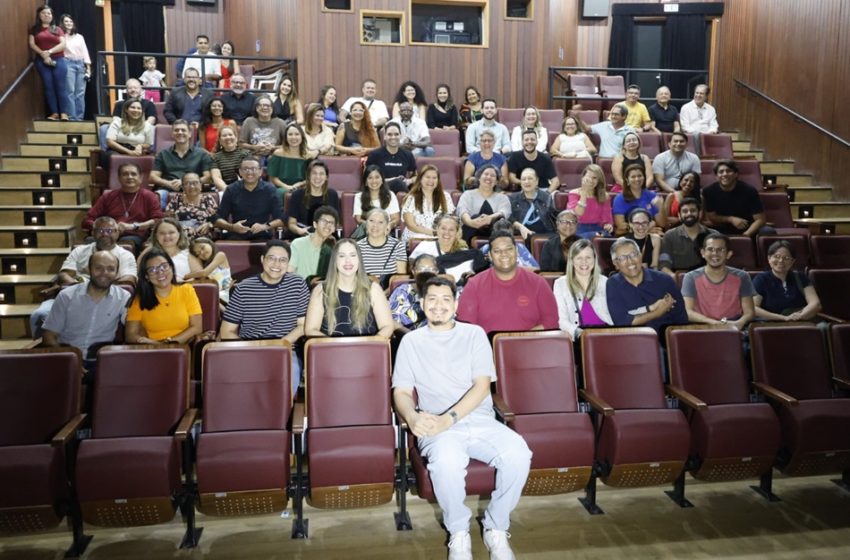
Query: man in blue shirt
[(612, 131), (642, 296)]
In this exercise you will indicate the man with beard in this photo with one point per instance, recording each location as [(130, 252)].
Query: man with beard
[(670, 166), (406, 302), (450, 366), (398, 165), (76, 268), (680, 246), (88, 314), (238, 103), (717, 294), (530, 157), (732, 206)]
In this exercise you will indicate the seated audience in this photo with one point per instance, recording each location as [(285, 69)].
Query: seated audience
[(250, 208), (330, 109), (530, 121), (484, 156), (664, 116), (185, 102), (612, 131), (374, 193), (524, 256), (488, 122), (377, 108), (132, 91), (573, 141), (698, 116), (288, 164), (530, 157), (410, 92), (310, 257), (472, 108), (169, 237), (648, 243), (171, 164), (688, 187), (383, 255), (271, 304), (207, 66), (641, 296), (451, 253), (638, 118), (287, 107), (163, 310), (262, 134), (414, 132), (732, 206), (480, 208), (196, 211), (553, 256), (397, 164), (348, 303), (580, 293), (681, 246), (782, 293), (406, 301), (442, 113), (507, 297), (320, 137), (130, 134), (212, 119), (423, 203), (227, 158), (671, 165), (304, 201), (229, 66), (357, 137), (215, 266), (627, 156), (635, 195), (717, 293), (591, 204), (532, 209)]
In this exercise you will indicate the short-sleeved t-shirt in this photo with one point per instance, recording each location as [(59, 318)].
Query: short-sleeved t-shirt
[(542, 165), (664, 118), (304, 215), (265, 310), (256, 132), (742, 202), (382, 260), (172, 166), (258, 206), (622, 206), (781, 297), (442, 365), (401, 163), (171, 316), (305, 257), (718, 300)]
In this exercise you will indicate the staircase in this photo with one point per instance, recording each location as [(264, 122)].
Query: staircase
[(44, 196)]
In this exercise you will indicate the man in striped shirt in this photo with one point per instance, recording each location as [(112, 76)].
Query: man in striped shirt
[(270, 305)]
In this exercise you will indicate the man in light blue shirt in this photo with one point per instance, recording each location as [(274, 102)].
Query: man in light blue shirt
[(488, 122), (612, 131)]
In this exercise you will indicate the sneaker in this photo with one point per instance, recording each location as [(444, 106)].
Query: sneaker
[(460, 546), (497, 543), (53, 117), (63, 117)]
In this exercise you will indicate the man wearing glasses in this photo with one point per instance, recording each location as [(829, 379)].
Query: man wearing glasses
[(238, 103), (76, 268), (250, 208), (553, 255), (263, 133), (641, 296), (717, 294)]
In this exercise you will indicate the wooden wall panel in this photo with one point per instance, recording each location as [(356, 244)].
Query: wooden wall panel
[(795, 51), (184, 21)]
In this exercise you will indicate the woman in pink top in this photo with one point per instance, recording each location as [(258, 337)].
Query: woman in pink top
[(79, 68), (591, 204)]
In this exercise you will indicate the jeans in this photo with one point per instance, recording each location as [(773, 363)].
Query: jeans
[(55, 80), (76, 89), (38, 316), (589, 231), (427, 151)]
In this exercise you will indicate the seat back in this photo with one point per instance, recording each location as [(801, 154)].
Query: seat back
[(145, 163), (691, 147), (244, 257), (247, 385), (552, 119), (39, 393), (743, 252), (208, 294), (347, 382), (587, 116), (139, 390), (343, 173), (449, 169), (510, 117), (346, 210), (446, 143), (537, 243), (708, 362), (831, 287), (791, 358), (777, 209), (584, 85), (160, 112), (605, 164), (570, 170), (163, 139), (650, 144), (603, 254), (839, 346), (749, 171), (716, 146), (613, 86), (536, 372), (623, 367), (799, 244), (830, 251)]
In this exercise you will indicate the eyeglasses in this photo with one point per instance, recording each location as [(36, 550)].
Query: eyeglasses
[(276, 260), (151, 270), (105, 230), (264, 105), (249, 169), (568, 222), (715, 250), (330, 223), (633, 256), (780, 258), (640, 224)]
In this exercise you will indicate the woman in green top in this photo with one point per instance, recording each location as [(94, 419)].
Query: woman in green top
[(287, 164)]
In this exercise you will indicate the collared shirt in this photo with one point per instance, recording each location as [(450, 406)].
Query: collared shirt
[(698, 119), (377, 108), (258, 206), (414, 130), (664, 119), (82, 322), (212, 65), (500, 131), (679, 251), (238, 107), (672, 168), (173, 166), (78, 261), (610, 139), (626, 301)]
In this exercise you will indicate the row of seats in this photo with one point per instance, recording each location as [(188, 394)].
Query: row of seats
[(136, 466), (597, 92)]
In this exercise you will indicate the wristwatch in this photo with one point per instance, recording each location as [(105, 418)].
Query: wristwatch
[(453, 415), (135, 226)]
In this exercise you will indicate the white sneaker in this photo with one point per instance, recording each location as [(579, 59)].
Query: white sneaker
[(497, 543), (460, 546)]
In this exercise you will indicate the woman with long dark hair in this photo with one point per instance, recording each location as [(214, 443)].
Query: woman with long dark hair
[(357, 137), (287, 164), (47, 40), (315, 193), (330, 107), (287, 106), (442, 113), (412, 93), (374, 193), (212, 119), (79, 67), (229, 66)]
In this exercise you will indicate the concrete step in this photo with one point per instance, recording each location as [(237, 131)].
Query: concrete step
[(23, 288), (33, 237), (810, 194), (71, 214), (19, 344), (50, 150), (820, 210), (64, 126), (41, 163), (61, 138), (774, 167), (32, 261), (749, 154), (741, 145), (735, 134), (46, 179), (826, 226), (792, 179), (14, 320), (26, 196)]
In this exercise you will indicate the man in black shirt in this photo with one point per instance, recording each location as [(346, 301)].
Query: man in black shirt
[(530, 157), (238, 103), (397, 164), (250, 208)]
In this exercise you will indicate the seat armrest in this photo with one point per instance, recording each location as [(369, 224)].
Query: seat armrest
[(775, 394), (185, 424), (692, 401), (597, 403), (841, 383), (502, 409), (830, 318), (298, 418), (68, 431)]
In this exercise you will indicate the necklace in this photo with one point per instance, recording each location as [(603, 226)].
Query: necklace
[(124, 204)]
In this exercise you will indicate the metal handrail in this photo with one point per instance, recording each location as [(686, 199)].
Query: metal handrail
[(16, 83), (793, 113)]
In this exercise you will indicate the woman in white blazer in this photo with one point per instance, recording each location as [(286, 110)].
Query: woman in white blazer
[(580, 293)]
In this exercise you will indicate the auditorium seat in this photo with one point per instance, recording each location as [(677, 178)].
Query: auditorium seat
[(128, 473), (585, 86), (830, 251), (650, 144), (839, 347), (145, 163), (588, 117), (570, 171), (791, 370), (743, 253), (39, 417), (749, 172), (552, 119), (777, 211), (603, 254), (163, 138), (535, 376), (510, 117), (605, 164), (537, 243), (613, 88), (397, 280), (243, 451), (208, 295), (243, 256), (691, 146), (799, 243), (344, 174), (640, 441), (160, 112), (446, 143), (731, 437), (550, 277), (716, 146), (831, 287), (449, 169), (346, 211), (560, 199), (350, 439)]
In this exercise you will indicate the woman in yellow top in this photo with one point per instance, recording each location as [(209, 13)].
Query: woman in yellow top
[(162, 311)]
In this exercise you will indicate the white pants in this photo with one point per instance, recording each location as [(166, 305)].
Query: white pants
[(484, 439)]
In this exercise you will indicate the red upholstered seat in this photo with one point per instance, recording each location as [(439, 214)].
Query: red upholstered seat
[(716, 146), (830, 251), (570, 171), (831, 287), (243, 256), (449, 168), (799, 243), (613, 88), (743, 253), (446, 143), (510, 117), (585, 86), (343, 173)]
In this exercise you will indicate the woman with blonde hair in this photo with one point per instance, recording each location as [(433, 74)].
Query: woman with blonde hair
[(348, 303), (591, 204), (530, 121), (580, 292)]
